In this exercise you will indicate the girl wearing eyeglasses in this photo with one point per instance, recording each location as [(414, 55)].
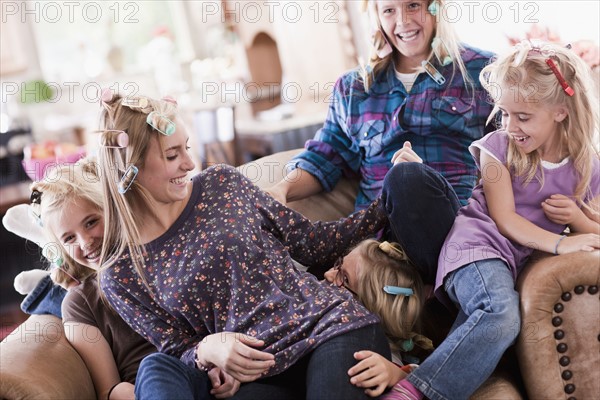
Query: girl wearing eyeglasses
[(383, 278)]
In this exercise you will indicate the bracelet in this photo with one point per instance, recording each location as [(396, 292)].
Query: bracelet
[(111, 389), (557, 243), (199, 365)]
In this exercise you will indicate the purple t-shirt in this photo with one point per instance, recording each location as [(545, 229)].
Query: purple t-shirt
[(475, 236)]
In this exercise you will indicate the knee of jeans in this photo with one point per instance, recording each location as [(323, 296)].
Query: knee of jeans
[(509, 316), (416, 176), (154, 360)]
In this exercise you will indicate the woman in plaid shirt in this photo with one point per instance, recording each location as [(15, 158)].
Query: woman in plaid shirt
[(418, 105)]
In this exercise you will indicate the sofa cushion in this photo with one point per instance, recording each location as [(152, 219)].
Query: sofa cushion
[(53, 368), (325, 206)]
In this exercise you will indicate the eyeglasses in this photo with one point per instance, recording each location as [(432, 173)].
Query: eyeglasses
[(340, 279), (337, 266)]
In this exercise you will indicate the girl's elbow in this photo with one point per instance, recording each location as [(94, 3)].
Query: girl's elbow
[(501, 224)]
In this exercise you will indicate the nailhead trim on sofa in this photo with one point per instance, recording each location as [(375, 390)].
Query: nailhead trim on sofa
[(559, 335)]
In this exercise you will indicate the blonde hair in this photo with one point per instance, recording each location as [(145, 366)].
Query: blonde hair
[(62, 185), (524, 68), (387, 264), (443, 30), (121, 228)]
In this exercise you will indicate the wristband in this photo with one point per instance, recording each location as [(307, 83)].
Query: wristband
[(557, 243), (111, 389), (199, 365)]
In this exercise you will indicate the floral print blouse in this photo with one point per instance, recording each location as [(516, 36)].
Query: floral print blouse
[(226, 265)]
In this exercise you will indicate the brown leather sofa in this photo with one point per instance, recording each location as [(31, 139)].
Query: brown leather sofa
[(558, 349), (559, 345)]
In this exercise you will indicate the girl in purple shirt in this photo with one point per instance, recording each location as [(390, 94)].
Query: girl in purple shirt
[(540, 175)]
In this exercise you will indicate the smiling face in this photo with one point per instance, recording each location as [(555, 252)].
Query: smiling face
[(531, 125), (410, 28), (80, 228), (166, 167)]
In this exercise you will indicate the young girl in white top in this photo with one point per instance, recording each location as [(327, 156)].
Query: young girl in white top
[(540, 175)]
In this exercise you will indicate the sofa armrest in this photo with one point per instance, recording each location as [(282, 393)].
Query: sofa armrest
[(325, 206), (37, 362), (558, 345)]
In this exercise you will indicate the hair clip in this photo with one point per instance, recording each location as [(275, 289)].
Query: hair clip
[(113, 138), (393, 250), (435, 44), (127, 179), (388, 248), (433, 72), (140, 103), (561, 79), (35, 197), (37, 218), (434, 8), (406, 345), (106, 95), (161, 123), (169, 99), (398, 291), (52, 254)]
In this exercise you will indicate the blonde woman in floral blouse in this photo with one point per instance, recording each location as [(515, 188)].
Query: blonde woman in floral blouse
[(203, 268)]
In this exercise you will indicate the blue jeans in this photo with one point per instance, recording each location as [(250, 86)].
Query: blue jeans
[(46, 298), (161, 376), (487, 324), (421, 207), (323, 373)]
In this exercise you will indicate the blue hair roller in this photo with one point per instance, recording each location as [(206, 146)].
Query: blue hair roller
[(161, 123), (434, 8)]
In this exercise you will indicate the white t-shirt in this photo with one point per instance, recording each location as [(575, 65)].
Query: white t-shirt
[(407, 79)]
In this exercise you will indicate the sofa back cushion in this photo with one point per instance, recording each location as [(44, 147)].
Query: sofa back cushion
[(269, 170)]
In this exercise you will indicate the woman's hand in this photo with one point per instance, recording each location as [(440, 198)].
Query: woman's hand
[(374, 372), (406, 154), (223, 384), (235, 355), (562, 210)]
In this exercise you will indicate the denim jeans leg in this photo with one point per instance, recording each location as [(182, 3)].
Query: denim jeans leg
[(421, 207), (485, 292), (161, 376), (45, 298), (327, 372), (288, 385)]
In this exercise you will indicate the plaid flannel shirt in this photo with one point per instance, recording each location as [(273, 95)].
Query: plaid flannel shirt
[(363, 130)]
